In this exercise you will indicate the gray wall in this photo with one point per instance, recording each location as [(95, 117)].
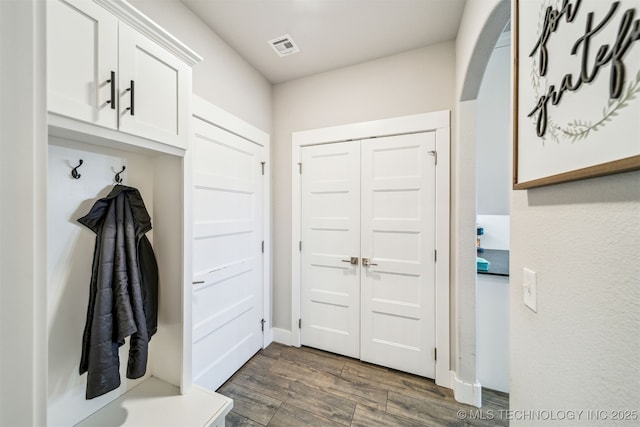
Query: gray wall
[(224, 78), (493, 150), (581, 350), (414, 82)]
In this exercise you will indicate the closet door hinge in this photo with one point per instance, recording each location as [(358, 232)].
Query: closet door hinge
[(263, 163), (263, 246), (300, 168), (435, 354), (435, 255), (262, 322), (300, 245), (434, 154), (299, 323)]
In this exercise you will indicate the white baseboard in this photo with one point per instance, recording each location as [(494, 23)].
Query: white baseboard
[(267, 337), (468, 393), (281, 336)]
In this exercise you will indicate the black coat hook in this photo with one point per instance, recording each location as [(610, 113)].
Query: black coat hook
[(118, 178), (74, 172)]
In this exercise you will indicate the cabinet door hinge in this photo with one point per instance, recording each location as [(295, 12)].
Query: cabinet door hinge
[(300, 245), (262, 322), (263, 246), (300, 168), (299, 323), (435, 255), (435, 155), (435, 354), (262, 163)]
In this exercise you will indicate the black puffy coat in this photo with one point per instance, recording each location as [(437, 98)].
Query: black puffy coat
[(123, 298)]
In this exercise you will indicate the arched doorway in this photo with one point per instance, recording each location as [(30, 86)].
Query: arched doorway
[(481, 27)]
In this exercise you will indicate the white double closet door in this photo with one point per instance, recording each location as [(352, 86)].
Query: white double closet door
[(368, 250)]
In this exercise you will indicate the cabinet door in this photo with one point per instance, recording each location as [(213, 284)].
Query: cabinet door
[(82, 43), (154, 90)]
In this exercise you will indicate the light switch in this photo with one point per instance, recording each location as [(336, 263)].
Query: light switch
[(530, 289)]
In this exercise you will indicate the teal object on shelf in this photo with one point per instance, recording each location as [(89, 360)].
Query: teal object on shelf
[(482, 264)]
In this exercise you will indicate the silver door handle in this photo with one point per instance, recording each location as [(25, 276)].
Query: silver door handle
[(353, 260), (366, 262), (198, 282)]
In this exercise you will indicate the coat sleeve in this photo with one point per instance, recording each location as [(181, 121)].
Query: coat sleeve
[(149, 276), (139, 342)]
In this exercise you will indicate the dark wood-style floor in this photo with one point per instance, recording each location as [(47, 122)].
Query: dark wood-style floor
[(288, 386)]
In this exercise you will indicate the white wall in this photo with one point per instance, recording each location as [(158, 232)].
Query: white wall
[(493, 332), (70, 256), (494, 142), (581, 350), (223, 78), (413, 82), (23, 164)]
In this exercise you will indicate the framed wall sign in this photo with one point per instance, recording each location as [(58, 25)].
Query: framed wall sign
[(576, 90)]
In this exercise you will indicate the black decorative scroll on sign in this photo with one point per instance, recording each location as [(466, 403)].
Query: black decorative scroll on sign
[(628, 33)]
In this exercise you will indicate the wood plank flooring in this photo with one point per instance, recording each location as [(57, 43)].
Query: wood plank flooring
[(288, 386)]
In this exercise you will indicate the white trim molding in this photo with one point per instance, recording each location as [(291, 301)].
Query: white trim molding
[(468, 393), (438, 122), (136, 19), (281, 336)]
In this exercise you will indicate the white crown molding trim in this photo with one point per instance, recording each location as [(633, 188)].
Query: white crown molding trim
[(136, 19), (468, 393)]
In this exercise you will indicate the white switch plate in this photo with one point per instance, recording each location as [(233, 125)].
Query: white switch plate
[(530, 289)]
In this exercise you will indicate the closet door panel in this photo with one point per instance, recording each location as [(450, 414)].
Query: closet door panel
[(156, 105), (330, 291), (227, 256), (398, 237), (82, 51)]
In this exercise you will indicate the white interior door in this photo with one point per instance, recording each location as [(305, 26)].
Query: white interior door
[(398, 239), (330, 292), (227, 253), (373, 200)]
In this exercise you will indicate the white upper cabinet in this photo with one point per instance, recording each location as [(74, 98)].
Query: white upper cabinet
[(154, 86), (82, 54), (111, 66)]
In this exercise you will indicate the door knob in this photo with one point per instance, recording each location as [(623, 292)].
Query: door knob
[(366, 262), (353, 260)]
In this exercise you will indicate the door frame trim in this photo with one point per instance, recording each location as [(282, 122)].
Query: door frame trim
[(438, 122)]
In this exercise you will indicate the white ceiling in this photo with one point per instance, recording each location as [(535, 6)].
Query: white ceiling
[(331, 34)]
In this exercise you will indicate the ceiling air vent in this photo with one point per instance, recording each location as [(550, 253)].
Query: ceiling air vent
[(284, 45)]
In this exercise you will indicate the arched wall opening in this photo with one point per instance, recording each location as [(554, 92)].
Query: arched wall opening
[(482, 23)]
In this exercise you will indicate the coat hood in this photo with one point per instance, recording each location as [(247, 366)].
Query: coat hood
[(142, 220)]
